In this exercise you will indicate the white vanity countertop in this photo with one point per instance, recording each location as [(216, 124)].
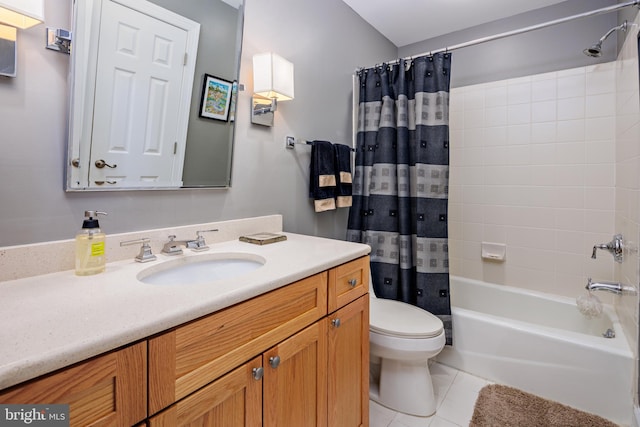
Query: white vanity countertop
[(54, 320)]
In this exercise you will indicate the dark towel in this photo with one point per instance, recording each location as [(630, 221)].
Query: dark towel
[(343, 175), (322, 176)]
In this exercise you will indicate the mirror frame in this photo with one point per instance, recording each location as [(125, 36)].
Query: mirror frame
[(83, 64)]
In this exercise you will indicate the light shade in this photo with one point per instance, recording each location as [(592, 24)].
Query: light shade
[(8, 51), (22, 13), (272, 76)]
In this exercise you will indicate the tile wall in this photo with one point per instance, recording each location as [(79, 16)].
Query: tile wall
[(549, 165), (533, 166), (627, 213)]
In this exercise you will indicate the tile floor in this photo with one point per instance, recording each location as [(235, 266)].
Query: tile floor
[(456, 393)]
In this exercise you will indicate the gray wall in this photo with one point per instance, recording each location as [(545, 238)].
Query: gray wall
[(325, 40), (207, 158), (549, 49)]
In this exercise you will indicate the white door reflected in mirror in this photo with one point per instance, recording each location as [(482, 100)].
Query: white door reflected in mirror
[(141, 103)]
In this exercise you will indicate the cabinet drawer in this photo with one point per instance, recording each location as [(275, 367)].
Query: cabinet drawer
[(109, 390), (235, 400), (347, 282), (192, 355)]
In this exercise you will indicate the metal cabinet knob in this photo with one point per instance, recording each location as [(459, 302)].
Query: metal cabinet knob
[(335, 323), (353, 283), (258, 373), (274, 361)]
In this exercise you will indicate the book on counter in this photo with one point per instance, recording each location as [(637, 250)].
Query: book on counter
[(263, 238)]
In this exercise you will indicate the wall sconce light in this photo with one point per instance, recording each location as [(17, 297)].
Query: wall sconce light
[(272, 82), (16, 14), (22, 14)]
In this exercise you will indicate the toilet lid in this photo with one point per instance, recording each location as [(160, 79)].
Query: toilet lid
[(395, 318)]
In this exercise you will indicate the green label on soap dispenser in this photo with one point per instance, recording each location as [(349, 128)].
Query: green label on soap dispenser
[(97, 249)]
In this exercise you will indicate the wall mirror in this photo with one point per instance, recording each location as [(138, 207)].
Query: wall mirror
[(152, 94)]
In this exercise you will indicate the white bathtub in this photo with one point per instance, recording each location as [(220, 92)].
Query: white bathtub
[(541, 343)]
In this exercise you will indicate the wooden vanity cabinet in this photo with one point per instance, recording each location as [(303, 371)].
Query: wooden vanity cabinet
[(310, 366), (109, 390), (284, 386), (279, 359), (190, 356)]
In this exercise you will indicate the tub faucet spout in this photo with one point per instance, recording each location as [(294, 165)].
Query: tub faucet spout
[(613, 287)]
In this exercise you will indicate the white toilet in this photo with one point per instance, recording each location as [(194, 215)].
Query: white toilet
[(402, 340)]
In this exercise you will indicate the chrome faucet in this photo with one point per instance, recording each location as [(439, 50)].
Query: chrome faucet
[(145, 254), (614, 246), (172, 247), (613, 287)]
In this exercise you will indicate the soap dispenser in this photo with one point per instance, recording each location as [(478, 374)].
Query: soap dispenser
[(90, 246)]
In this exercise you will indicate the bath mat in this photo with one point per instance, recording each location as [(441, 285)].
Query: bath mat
[(502, 406)]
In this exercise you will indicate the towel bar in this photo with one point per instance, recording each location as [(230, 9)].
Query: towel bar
[(291, 143)]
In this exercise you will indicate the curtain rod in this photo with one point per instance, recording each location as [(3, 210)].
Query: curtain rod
[(595, 12)]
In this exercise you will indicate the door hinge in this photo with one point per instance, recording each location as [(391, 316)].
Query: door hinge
[(175, 148), (185, 58)]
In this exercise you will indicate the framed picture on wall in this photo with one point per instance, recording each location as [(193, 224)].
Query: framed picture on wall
[(216, 98), (234, 97)]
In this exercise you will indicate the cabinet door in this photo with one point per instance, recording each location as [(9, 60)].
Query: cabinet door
[(348, 365), (295, 383), (234, 400), (109, 390), (191, 356), (347, 282)]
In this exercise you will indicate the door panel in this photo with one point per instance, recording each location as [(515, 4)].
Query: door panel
[(231, 401), (295, 391), (139, 87), (348, 363)]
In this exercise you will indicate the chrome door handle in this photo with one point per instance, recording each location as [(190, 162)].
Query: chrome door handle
[(353, 283), (336, 323), (101, 163)]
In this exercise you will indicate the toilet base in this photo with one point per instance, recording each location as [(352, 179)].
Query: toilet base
[(404, 387)]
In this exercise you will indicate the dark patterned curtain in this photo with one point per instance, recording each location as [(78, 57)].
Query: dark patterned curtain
[(401, 181)]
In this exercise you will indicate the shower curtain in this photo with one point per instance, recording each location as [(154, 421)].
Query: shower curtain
[(401, 181)]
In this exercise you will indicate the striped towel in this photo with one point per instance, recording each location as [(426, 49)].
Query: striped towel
[(343, 175), (322, 176)]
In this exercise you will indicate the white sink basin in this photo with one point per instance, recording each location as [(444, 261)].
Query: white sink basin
[(201, 269)]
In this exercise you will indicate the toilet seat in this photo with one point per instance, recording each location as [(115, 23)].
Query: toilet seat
[(403, 320)]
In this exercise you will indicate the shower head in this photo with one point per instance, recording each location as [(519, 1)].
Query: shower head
[(595, 51)]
